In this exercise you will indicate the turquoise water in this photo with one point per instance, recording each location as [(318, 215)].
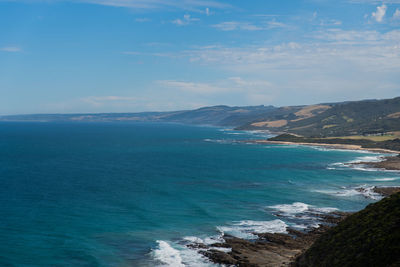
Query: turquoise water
[(75, 194)]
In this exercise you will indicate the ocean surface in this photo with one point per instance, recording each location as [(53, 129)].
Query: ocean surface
[(135, 194)]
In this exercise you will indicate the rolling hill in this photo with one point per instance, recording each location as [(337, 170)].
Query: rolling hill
[(367, 117)]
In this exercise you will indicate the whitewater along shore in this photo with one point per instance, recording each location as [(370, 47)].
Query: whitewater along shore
[(326, 145), (268, 249), (391, 163), (278, 249)]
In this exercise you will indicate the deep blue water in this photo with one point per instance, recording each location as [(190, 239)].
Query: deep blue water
[(76, 194)]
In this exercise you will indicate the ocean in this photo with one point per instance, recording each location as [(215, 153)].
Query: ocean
[(136, 194)]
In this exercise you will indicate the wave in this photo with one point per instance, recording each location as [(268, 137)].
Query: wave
[(322, 148), (364, 190), (386, 179), (356, 164), (220, 141), (169, 254), (299, 207), (300, 215), (248, 229), (187, 251), (374, 158)]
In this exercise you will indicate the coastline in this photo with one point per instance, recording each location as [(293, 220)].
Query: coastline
[(285, 249), (333, 146), (270, 249), (388, 163), (278, 249)]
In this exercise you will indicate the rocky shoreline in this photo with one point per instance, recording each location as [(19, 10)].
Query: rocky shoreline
[(275, 249), (389, 163), (284, 249), (326, 145), (268, 249)]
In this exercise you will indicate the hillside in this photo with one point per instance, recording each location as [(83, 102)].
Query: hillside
[(370, 237), (216, 115), (332, 120), (356, 118)]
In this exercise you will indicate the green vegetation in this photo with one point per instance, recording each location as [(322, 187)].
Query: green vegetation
[(366, 118), (393, 144), (377, 138), (370, 237), (341, 119)]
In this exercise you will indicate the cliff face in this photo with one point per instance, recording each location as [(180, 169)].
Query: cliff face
[(370, 237)]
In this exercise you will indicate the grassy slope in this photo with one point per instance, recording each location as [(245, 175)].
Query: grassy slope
[(370, 237), (342, 119), (365, 143)]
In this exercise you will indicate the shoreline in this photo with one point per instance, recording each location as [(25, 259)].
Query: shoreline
[(388, 163), (270, 249), (284, 249), (333, 146), (277, 249)]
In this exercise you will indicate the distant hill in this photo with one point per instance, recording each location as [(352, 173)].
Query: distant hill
[(370, 237), (216, 115), (366, 117)]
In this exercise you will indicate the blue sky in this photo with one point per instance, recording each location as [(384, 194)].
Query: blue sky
[(139, 55)]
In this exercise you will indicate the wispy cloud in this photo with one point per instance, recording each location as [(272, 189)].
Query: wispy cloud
[(396, 14), (194, 5), (231, 84), (380, 13), (98, 101), (11, 49), (374, 2), (141, 20), (248, 91), (330, 22), (330, 45), (193, 87), (236, 25), (249, 26), (335, 62), (186, 20)]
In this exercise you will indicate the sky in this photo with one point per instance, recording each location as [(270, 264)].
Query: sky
[(83, 56)]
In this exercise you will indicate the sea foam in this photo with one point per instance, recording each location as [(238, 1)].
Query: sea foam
[(301, 215), (364, 190), (169, 254), (247, 229)]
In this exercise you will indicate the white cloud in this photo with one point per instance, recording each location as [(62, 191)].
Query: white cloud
[(275, 24), (193, 5), (380, 13), (141, 20), (396, 14), (235, 25), (374, 2), (193, 87), (348, 37), (330, 22), (12, 49), (231, 84), (244, 91), (187, 19), (365, 47), (248, 26), (98, 101), (334, 65)]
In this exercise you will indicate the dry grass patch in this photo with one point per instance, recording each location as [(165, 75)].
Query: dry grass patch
[(273, 124)]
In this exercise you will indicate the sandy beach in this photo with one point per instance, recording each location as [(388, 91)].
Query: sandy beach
[(335, 146)]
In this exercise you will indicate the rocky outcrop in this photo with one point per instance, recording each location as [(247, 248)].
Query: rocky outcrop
[(268, 250)]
